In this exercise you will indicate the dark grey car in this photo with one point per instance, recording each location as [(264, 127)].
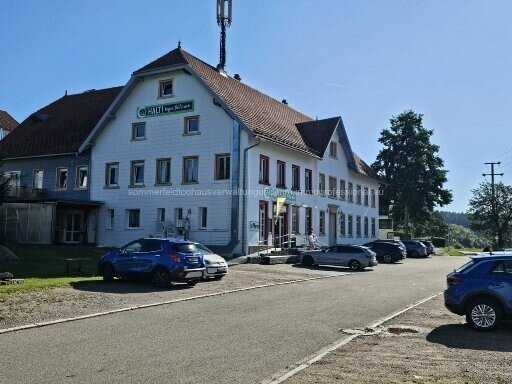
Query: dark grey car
[(354, 257), (415, 248)]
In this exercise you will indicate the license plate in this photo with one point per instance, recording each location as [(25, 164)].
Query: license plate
[(194, 274)]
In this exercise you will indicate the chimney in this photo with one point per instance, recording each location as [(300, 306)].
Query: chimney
[(284, 102), (237, 77)]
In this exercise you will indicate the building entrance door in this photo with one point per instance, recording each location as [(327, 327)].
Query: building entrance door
[(73, 227), (280, 230)]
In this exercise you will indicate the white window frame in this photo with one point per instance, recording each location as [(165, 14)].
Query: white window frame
[(187, 120), (160, 215), (36, 171), (185, 179), (108, 168), (134, 165), (158, 176), (226, 170), (77, 177), (295, 177), (57, 179), (321, 223), (128, 212), (333, 150), (134, 131), (203, 218), (161, 87)]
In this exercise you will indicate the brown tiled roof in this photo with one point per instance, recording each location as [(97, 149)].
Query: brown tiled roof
[(7, 122), (60, 127), (265, 116)]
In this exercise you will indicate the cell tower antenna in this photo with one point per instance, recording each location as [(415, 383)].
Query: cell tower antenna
[(224, 18)]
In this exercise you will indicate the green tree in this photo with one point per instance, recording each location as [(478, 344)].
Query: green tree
[(433, 227), (412, 171), (484, 219)]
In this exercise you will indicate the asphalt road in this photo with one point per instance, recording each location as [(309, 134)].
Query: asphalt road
[(238, 338)]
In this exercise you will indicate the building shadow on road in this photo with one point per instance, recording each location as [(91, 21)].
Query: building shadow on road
[(123, 287), (462, 336)]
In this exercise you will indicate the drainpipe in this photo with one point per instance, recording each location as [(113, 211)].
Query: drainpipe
[(244, 196)]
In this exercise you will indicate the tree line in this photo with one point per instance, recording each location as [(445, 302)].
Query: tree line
[(413, 184)]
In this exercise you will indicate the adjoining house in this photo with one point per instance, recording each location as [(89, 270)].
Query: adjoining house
[(7, 124), (49, 199), (186, 145)]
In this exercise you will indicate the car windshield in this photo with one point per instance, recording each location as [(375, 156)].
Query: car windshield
[(465, 266), (192, 248)]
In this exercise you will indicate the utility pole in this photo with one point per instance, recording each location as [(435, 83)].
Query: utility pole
[(493, 189)]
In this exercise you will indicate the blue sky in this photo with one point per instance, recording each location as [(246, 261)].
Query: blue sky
[(363, 60)]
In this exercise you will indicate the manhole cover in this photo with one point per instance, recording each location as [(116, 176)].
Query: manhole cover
[(400, 330)]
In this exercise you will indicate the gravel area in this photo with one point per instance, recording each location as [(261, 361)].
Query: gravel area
[(96, 296), (427, 344)]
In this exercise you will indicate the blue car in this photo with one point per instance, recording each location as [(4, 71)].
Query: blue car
[(482, 290), (163, 260)]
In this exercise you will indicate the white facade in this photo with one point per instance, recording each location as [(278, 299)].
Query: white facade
[(336, 209), (164, 138)]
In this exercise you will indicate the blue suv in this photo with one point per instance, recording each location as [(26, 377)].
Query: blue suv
[(163, 260), (482, 290)]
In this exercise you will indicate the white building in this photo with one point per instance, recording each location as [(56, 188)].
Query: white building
[(182, 138)]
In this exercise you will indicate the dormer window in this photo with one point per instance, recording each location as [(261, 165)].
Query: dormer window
[(166, 89)]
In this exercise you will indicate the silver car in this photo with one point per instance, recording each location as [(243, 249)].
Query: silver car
[(216, 266), (355, 257)]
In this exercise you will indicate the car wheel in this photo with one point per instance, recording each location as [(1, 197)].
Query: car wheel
[(108, 273), (161, 278), (387, 259), (192, 283), (308, 261), (484, 314), (355, 265), (414, 254)]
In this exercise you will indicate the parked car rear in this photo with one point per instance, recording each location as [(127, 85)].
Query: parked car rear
[(164, 261), (430, 246), (397, 242), (354, 257), (415, 248), (387, 252), (481, 290)]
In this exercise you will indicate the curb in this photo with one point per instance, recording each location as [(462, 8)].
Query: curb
[(161, 303), (302, 365)]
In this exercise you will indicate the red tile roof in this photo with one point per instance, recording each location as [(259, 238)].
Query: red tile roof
[(60, 127), (7, 122), (265, 116)]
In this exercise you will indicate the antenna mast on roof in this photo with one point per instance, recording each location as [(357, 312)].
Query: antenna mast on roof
[(223, 20)]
